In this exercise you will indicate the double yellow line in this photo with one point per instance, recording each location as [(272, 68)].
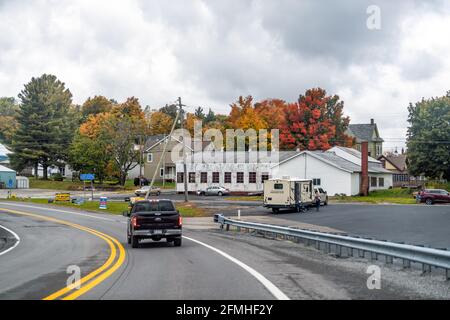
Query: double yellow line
[(95, 277)]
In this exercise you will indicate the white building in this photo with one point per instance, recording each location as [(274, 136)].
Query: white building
[(336, 170)]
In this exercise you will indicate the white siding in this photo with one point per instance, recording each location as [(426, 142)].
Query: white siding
[(234, 168), (333, 180)]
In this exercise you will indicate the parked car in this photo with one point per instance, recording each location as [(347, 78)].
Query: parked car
[(430, 196), (323, 196), (153, 219), (143, 191), (214, 191)]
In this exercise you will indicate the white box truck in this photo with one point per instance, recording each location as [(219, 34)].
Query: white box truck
[(288, 193)]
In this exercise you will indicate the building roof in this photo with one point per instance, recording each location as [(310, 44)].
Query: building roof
[(155, 140), (397, 160), (5, 169), (335, 160), (4, 151), (364, 132)]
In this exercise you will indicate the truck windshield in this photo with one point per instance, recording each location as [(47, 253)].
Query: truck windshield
[(153, 206)]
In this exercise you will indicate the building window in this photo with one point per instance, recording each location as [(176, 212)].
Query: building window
[(373, 182), (149, 157), (215, 177), (316, 182), (378, 149), (161, 172), (191, 177), (252, 177), (381, 182), (180, 177), (204, 177), (240, 177), (264, 177), (278, 186), (227, 177)]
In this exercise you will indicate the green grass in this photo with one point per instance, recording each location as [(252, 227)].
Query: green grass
[(68, 185), (186, 210), (395, 195)]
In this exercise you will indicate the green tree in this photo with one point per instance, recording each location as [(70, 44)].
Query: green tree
[(89, 155), (428, 138), (121, 132), (199, 114), (93, 106), (46, 124), (8, 123)]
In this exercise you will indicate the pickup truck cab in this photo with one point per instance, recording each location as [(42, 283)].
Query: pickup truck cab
[(153, 219)]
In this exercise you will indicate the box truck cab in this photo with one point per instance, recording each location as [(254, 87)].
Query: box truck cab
[(288, 193)]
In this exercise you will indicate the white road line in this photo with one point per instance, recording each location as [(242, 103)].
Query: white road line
[(277, 293), (15, 236), (57, 210)]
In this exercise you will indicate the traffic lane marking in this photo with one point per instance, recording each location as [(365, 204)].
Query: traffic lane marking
[(274, 290), (15, 244), (111, 241)]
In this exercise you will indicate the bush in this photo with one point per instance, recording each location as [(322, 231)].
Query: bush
[(57, 177)]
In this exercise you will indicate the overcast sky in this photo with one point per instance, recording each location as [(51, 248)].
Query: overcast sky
[(210, 52)]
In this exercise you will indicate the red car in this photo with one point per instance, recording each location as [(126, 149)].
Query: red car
[(430, 196)]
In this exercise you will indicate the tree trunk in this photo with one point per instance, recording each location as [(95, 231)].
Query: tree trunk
[(36, 168), (45, 173)]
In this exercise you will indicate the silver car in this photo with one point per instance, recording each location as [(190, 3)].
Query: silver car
[(214, 191)]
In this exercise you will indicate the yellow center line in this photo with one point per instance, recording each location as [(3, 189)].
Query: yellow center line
[(108, 239)]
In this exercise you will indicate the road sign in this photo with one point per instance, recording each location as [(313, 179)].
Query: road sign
[(87, 177), (103, 203), (63, 197)]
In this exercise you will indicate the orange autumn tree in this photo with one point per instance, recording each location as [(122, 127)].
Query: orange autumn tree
[(314, 122), (244, 116)]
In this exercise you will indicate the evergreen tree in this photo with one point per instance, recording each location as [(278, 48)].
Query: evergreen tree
[(45, 124)]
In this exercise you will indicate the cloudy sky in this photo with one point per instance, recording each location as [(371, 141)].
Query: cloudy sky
[(210, 52)]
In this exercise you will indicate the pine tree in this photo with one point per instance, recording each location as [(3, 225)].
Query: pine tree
[(46, 124)]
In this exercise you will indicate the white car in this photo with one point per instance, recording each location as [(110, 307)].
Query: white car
[(143, 191)]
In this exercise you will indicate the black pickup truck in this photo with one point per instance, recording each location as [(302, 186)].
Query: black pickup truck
[(154, 219)]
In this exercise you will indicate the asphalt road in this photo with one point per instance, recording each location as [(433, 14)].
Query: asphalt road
[(414, 224), (211, 264)]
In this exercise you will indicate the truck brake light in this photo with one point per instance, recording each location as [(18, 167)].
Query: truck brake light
[(134, 222), (180, 221)]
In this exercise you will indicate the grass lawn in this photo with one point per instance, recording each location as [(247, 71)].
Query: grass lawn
[(69, 185), (395, 195), (186, 209)]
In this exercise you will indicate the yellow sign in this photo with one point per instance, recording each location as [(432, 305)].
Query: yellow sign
[(63, 197)]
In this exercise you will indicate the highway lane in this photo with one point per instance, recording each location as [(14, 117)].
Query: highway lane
[(38, 265), (155, 271), (161, 271)]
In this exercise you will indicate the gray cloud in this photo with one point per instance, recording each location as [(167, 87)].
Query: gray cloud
[(210, 52)]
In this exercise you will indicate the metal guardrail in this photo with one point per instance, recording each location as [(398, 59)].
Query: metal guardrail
[(428, 257)]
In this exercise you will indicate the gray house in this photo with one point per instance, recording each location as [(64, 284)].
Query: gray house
[(367, 132)]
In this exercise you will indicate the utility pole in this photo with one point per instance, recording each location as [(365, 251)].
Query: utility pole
[(141, 157), (184, 154)]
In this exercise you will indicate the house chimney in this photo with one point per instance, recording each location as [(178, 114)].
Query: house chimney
[(372, 121), (364, 181)]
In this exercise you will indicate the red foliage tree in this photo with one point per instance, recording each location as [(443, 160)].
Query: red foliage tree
[(315, 122)]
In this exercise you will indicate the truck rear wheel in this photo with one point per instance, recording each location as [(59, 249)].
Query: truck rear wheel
[(177, 242), (134, 242), (275, 210)]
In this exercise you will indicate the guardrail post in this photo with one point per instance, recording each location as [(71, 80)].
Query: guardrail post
[(228, 227), (238, 229), (328, 248), (389, 260), (426, 268), (338, 251), (318, 245), (406, 264), (447, 274), (361, 253)]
